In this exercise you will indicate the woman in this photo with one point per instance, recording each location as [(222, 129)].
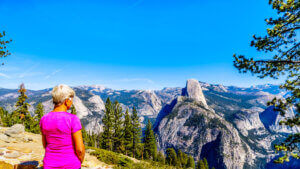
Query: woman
[(61, 132)]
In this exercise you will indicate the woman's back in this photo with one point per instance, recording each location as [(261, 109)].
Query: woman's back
[(58, 128)]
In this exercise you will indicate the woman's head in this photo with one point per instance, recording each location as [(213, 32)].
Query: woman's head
[(62, 94)]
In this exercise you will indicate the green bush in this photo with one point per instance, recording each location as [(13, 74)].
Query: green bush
[(105, 156)]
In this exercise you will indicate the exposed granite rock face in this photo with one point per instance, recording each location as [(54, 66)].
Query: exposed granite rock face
[(194, 91), (93, 124), (152, 104), (246, 120), (98, 104), (190, 125), (271, 119), (81, 109)]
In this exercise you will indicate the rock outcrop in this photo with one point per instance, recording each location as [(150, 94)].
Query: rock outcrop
[(152, 104), (271, 119), (194, 91), (190, 125), (98, 104), (23, 150)]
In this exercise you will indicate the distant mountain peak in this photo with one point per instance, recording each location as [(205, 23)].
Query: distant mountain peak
[(97, 88), (193, 90)]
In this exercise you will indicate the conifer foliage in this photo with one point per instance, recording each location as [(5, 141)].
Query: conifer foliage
[(3, 49), (22, 115), (282, 44), (136, 133), (73, 110), (118, 139), (128, 136), (107, 120), (171, 158), (150, 150)]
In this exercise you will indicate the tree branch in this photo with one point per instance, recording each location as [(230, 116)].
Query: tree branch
[(278, 61)]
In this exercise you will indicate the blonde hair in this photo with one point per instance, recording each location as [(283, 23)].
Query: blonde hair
[(61, 92)]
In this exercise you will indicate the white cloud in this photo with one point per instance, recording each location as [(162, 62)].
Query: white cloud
[(4, 75), (53, 73)]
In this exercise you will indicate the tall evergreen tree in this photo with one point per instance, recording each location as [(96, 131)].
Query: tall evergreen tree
[(5, 117), (149, 142), (190, 162), (205, 163), (85, 136), (161, 158), (128, 137), (182, 158), (200, 165), (118, 138), (171, 158), (21, 114), (136, 132), (107, 120), (283, 61), (39, 112), (73, 110)]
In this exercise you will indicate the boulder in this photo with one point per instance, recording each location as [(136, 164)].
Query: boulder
[(12, 154), (3, 137), (15, 130)]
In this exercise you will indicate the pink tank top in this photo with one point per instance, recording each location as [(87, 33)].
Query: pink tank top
[(60, 151)]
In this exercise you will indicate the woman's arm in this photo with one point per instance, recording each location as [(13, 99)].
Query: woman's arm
[(79, 146), (44, 140)]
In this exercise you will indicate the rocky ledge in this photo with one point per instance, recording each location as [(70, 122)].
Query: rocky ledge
[(24, 150)]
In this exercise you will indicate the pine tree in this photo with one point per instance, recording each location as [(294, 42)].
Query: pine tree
[(190, 162), (136, 132), (73, 110), (21, 114), (107, 120), (200, 165), (205, 163), (149, 143), (283, 47), (5, 117), (118, 138), (85, 136), (161, 158), (171, 158), (182, 158), (39, 112), (128, 138)]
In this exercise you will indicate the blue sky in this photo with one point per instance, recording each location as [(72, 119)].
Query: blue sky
[(132, 44)]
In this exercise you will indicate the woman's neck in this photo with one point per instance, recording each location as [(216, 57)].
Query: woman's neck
[(60, 108)]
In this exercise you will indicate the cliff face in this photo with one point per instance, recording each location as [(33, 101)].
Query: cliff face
[(231, 127), (190, 125), (271, 119), (194, 91)]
